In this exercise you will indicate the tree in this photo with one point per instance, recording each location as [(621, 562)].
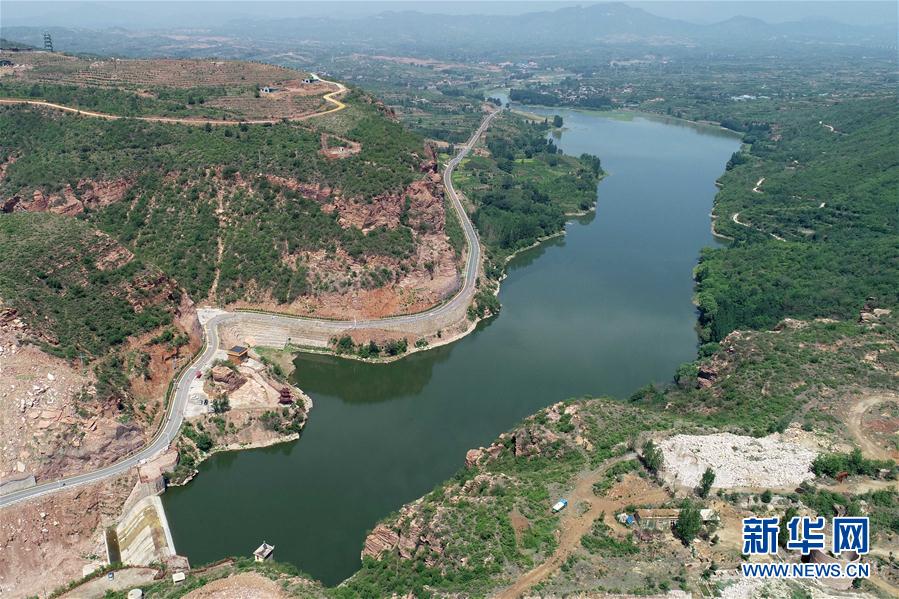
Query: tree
[(557, 121), (689, 522), (220, 405), (652, 457), (783, 533), (705, 484)]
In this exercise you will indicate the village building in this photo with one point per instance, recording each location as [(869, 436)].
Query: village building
[(263, 552), (237, 354), (656, 519), (708, 515)]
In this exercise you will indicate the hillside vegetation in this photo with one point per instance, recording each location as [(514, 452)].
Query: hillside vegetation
[(235, 212), (821, 234), (78, 289), (524, 187), (52, 150)]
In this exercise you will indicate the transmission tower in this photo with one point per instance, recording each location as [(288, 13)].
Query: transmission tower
[(48, 42)]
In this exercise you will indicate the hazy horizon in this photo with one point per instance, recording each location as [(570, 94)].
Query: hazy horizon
[(140, 14)]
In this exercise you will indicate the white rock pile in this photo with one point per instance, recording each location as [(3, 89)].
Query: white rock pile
[(738, 461)]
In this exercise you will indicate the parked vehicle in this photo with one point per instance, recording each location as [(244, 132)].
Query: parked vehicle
[(560, 505)]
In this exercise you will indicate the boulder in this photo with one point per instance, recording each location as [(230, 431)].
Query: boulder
[(227, 377)]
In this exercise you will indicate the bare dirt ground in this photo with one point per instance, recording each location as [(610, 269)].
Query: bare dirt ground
[(180, 73), (290, 98), (247, 585), (122, 580), (45, 543), (46, 429), (873, 422), (339, 147), (575, 523)]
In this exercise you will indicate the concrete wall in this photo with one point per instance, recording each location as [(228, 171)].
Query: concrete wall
[(143, 534)]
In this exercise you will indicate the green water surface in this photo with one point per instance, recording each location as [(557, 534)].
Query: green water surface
[(602, 311)]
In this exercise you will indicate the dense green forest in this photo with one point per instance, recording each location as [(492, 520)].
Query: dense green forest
[(820, 234), (523, 190), (55, 272)]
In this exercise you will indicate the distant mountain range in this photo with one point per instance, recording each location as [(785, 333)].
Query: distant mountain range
[(566, 28)]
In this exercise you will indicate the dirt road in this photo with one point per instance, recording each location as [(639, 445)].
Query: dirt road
[(330, 97), (574, 525), (869, 447), (736, 219)]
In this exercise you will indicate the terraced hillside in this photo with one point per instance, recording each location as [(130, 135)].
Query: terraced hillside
[(164, 87)]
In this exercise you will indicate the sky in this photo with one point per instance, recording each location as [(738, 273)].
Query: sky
[(137, 14)]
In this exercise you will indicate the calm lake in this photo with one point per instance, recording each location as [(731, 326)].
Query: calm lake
[(601, 311)]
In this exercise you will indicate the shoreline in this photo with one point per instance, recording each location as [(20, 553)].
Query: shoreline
[(232, 447), (275, 440), (472, 324), (613, 112)]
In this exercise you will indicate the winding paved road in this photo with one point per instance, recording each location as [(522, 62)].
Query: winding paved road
[(175, 414)]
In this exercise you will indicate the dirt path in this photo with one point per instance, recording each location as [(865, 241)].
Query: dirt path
[(574, 525), (736, 219), (869, 447), (220, 247), (330, 97), (757, 185)]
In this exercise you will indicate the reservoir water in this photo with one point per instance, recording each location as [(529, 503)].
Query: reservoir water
[(601, 311)]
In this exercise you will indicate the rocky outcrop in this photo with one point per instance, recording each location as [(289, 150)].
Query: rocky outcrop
[(379, 541), (413, 533), (111, 440), (228, 378), (483, 455), (871, 315), (706, 375), (381, 211), (312, 191), (71, 200)]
